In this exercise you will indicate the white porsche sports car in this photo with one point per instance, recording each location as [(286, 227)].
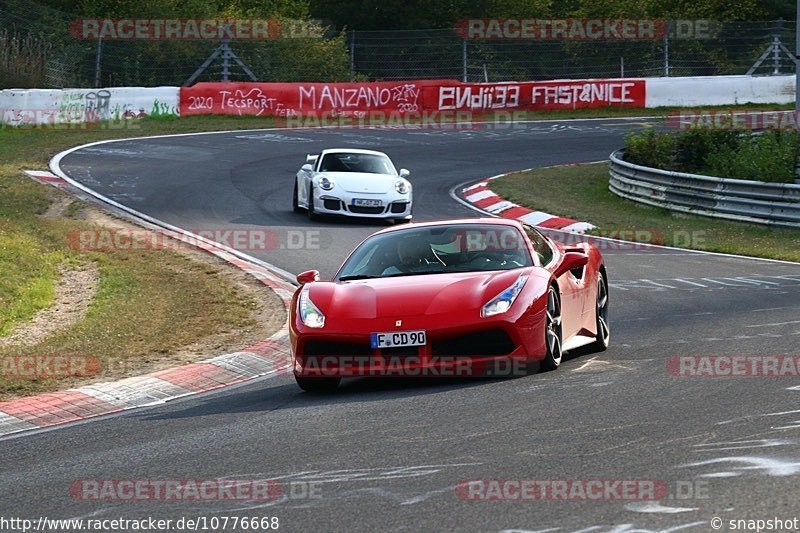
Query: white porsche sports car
[(350, 182)]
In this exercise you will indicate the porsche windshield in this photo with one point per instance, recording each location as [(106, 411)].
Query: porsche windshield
[(347, 162), (438, 249)]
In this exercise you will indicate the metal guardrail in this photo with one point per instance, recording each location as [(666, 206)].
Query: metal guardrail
[(776, 204)]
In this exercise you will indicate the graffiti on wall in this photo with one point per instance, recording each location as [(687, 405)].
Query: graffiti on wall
[(408, 97), (296, 99), (26, 107)]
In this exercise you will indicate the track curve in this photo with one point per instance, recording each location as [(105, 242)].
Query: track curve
[(386, 455)]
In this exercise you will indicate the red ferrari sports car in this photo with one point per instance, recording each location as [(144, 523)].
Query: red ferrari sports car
[(448, 298)]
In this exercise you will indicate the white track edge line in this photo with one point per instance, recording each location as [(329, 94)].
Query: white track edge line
[(55, 163)]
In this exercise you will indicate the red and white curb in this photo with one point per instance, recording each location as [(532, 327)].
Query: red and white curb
[(481, 196), (271, 356), (46, 176)]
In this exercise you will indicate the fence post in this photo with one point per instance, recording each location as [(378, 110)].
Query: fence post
[(353, 55), (464, 59), (776, 46), (666, 49), (622, 64), (797, 88), (97, 60), (797, 61), (226, 61)]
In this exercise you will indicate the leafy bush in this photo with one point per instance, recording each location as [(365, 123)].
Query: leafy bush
[(651, 149), (766, 156), (695, 145), (303, 60)]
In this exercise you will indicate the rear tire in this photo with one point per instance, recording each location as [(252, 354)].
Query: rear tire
[(601, 313), (295, 205), (552, 331), (318, 384)]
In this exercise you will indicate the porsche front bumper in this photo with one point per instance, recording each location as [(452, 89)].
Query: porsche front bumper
[(335, 202)]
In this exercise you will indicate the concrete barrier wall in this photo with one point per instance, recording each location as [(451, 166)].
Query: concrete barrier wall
[(719, 90), (20, 107), (68, 106), (410, 97)]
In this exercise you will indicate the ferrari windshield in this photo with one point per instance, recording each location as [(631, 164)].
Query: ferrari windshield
[(354, 162), (438, 249)]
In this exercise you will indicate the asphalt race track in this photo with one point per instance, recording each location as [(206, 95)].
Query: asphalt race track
[(386, 455)]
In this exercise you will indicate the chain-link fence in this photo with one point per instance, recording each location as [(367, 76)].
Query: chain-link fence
[(730, 48), (38, 50)]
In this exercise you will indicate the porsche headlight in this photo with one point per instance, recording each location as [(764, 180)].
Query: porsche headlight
[(310, 313), (502, 302), (326, 184), (402, 186)]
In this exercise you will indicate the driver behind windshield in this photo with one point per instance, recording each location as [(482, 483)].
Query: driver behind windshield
[(415, 255)]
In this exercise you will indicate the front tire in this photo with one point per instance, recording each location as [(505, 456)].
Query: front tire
[(552, 332), (318, 384), (601, 313), (312, 215), (295, 204)]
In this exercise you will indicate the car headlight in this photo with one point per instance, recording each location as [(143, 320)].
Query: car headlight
[(402, 186), (502, 302), (326, 184), (310, 313)]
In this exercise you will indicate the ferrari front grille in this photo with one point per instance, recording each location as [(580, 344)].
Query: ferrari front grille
[(479, 344), (320, 347), (400, 351)]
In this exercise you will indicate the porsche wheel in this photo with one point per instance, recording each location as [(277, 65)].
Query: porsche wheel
[(601, 307), (312, 215), (295, 205), (552, 332), (318, 384)]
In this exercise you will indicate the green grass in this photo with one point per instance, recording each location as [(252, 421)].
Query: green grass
[(28, 261), (146, 309), (581, 192)]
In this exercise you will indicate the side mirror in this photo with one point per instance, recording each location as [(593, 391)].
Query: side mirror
[(404, 173), (307, 168), (308, 276), (571, 261)]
